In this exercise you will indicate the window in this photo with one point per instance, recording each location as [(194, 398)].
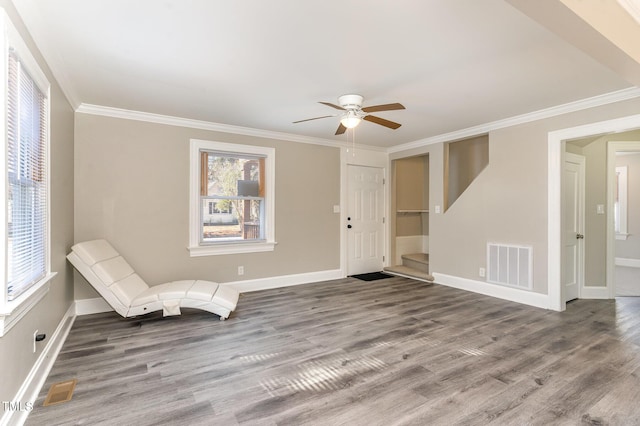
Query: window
[(27, 180), (232, 198), (620, 203), (25, 183)]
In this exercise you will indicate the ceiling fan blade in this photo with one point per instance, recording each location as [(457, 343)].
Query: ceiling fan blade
[(315, 118), (332, 105), (382, 121), (386, 107), (341, 129)]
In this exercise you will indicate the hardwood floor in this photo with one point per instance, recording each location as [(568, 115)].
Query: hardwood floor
[(348, 352)]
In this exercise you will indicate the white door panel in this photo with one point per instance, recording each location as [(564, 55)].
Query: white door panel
[(365, 210), (573, 226)]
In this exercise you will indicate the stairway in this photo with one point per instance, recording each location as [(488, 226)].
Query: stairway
[(415, 265)]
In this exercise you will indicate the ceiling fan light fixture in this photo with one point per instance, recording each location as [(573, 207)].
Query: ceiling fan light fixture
[(350, 120)]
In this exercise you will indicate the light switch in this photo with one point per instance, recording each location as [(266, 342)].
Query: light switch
[(437, 209), (600, 209)]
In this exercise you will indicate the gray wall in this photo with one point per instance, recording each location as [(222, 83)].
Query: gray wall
[(595, 225), (464, 161), (411, 193), (16, 347), (507, 202), (132, 188)]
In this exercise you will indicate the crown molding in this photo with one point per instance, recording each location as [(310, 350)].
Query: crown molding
[(595, 101), (211, 126)]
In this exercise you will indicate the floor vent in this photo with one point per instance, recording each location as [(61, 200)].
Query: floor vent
[(510, 265), (60, 392)]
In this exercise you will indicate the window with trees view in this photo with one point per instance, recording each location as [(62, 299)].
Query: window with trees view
[(234, 211), (234, 185)]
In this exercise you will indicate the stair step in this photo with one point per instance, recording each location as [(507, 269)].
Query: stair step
[(405, 271), (418, 261)]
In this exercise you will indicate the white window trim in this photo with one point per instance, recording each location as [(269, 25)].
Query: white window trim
[(621, 171), (268, 244), (12, 311)]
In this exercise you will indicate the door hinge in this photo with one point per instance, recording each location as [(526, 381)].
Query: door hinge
[(383, 258), (383, 219), (384, 181)]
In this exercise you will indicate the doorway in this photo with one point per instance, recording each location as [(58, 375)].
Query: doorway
[(623, 171), (557, 141)]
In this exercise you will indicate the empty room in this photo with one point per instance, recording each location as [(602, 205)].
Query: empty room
[(320, 212)]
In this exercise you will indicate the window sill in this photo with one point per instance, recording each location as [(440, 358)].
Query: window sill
[(13, 311), (231, 248), (622, 236)]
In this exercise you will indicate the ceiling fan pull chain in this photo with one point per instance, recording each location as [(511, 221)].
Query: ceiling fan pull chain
[(353, 141)]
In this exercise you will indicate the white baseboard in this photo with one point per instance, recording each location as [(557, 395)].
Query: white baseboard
[(31, 386), (92, 306), (629, 263), (98, 305), (285, 280), (591, 292), (507, 293)]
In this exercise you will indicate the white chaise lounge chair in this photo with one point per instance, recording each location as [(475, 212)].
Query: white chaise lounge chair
[(129, 295)]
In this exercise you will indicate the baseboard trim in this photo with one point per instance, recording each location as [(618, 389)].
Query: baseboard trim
[(285, 280), (591, 292), (34, 381), (98, 305), (92, 306), (629, 263), (507, 293)]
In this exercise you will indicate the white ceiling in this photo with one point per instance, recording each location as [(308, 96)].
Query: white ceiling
[(262, 64)]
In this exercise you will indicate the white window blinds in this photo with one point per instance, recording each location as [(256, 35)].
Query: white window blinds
[(27, 175)]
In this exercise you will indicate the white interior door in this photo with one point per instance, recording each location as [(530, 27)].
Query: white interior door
[(573, 226), (365, 219)]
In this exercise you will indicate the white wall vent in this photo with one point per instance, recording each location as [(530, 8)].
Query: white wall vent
[(510, 265)]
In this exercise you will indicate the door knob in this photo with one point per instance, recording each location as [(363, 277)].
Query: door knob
[(580, 237)]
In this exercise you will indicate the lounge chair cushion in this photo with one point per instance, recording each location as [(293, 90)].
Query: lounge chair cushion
[(129, 289), (112, 270), (94, 251)]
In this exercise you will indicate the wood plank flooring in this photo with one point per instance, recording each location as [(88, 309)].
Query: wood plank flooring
[(347, 352)]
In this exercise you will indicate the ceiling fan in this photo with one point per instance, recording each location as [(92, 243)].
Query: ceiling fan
[(354, 113)]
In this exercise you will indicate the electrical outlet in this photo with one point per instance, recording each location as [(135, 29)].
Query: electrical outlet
[(35, 333), (482, 272), (437, 209), (240, 270)]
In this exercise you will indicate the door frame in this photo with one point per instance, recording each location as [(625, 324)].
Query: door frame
[(580, 160), (612, 148), (556, 147), (362, 156)]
